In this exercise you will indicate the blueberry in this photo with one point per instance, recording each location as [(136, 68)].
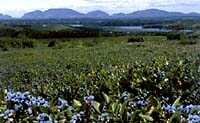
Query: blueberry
[(71, 107), (5, 117), (26, 93), (60, 107), (86, 99), (131, 103), (8, 112), (99, 118), (173, 108), (18, 106), (143, 103), (180, 108), (42, 117), (82, 112), (30, 111), (93, 110), (91, 97), (104, 108), (103, 114), (74, 117), (198, 107), (46, 104), (128, 114), (108, 118)]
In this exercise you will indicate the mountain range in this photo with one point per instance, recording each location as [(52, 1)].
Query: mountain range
[(62, 13), (5, 17)]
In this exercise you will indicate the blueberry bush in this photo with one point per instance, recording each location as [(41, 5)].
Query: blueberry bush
[(81, 85)]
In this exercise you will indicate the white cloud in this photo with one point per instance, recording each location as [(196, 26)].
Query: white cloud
[(18, 7)]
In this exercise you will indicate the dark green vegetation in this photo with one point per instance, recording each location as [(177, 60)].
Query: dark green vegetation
[(134, 78), (109, 21), (45, 31)]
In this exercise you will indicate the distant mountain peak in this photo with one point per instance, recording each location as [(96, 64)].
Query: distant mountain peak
[(98, 11), (37, 14), (55, 13), (153, 9), (97, 14), (62, 13), (193, 14), (155, 13), (119, 15), (5, 17)]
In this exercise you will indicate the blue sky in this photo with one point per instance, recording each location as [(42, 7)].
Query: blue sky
[(17, 8)]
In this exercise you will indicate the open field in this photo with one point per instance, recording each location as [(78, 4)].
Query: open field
[(133, 78)]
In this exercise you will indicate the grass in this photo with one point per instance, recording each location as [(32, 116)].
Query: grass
[(52, 28), (113, 49)]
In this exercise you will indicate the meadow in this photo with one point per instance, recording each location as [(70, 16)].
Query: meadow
[(133, 78)]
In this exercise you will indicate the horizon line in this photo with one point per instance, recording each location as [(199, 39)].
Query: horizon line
[(43, 10)]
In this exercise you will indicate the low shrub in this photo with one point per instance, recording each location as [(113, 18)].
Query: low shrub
[(188, 41), (27, 44), (136, 39), (91, 43), (174, 36), (5, 49), (52, 43)]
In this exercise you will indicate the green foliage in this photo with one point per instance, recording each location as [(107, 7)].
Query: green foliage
[(16, 43), (27, 44), (174, 36), (5, 49), (112, 81), (136, 39), (183, 38), (52, 43), (189, 41)]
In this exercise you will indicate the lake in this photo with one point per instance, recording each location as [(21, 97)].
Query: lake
[(138, 29), (130, 29), (133, 29)]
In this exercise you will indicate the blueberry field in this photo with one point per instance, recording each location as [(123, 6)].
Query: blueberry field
[(100, 80)]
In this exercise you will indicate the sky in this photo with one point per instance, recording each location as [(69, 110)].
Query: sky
[(17, 8)]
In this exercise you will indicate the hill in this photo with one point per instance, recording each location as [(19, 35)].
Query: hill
[(64, 13), (53, 14), (5, 17), (97, 14)]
